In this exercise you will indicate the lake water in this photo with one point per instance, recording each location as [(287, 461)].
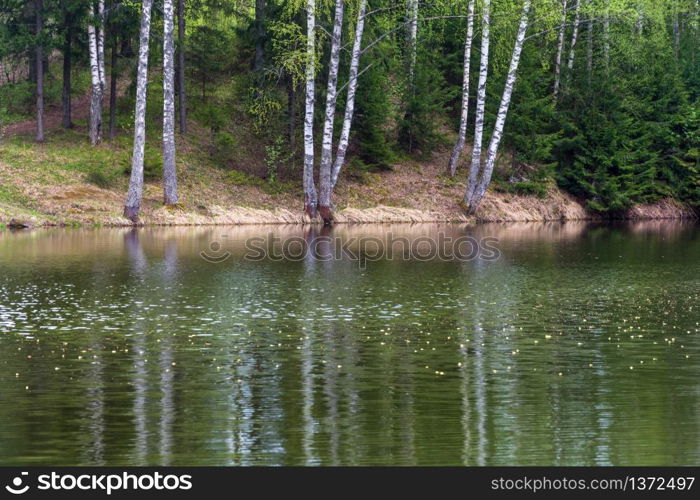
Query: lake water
[(570, 344)]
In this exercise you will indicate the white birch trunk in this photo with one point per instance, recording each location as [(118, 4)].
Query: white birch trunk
[(560, 51), (574, 38), (480, 102), (492, 152), (324, 198), (640, 22), (462, 134), (310, 195), (96, 86), (101, 44), (132, 205), (412, 38), (169, 170), (589, 48), (344, 139), (606, 35)]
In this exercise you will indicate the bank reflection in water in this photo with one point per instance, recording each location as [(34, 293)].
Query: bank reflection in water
[(127, 347)]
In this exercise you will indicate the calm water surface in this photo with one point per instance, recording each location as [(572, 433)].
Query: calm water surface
[(580, 345)]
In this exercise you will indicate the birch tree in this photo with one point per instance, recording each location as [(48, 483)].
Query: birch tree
[(101, 43), (676, 31), (39, 25), (485, 177), (462, 134), (412, 6), (606, 35), (169, 169), (331, 99), (343, 141), (97, 70), (574, 38), (132, 205), (310, 195), (480, 100), (560, 51)]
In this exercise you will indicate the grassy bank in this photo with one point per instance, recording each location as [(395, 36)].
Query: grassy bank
[(65, 181)]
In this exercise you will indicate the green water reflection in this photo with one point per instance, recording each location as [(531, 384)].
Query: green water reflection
[(580, 345)]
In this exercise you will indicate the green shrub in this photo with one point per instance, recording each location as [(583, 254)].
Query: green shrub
[(359, 171), (530, 188), (274, 158), (211, 115), (226, 141), (523, 188), (18, 98), (101, 179), (371, 129), (225, 147)]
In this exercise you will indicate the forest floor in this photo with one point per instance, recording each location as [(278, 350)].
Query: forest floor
[(65, 181)]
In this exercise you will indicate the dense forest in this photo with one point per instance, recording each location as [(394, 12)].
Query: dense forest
[(600, 97)]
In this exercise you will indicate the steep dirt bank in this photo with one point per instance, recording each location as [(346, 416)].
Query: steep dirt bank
[(83, 204)]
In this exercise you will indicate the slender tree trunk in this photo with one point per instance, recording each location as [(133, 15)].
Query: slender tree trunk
[(169, 168), (181, 65), (292, 113), (676, 34), (492, 152), (96, 82), (560, 51), (67, 121), (412, 6), (480, 101), (132, 204), (589, 49), (310, 195), (113, 90), (640, 23), (31, 70), (606, 36), (39, 7), (574, 38), (101, 45), (462, 134), (695, 31), (352, 90), (28, 18), (259, 35), (324, 198)]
